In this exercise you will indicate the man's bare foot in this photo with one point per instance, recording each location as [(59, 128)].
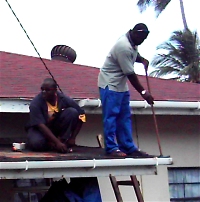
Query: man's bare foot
[(71, 143), (117, 153)]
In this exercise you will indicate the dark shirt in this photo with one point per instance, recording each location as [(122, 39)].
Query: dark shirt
[(39, 110)]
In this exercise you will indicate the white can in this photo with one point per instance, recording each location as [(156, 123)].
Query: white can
[(19, 146)]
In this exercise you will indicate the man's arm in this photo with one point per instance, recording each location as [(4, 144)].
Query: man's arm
[(52, 138), (137, 85), (125, 60), (142, 60), (69, 102)]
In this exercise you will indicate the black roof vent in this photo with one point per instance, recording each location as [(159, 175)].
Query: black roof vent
[(63, 53)]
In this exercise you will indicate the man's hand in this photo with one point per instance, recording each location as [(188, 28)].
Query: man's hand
[(148, 97), (61, 147), (145, 62)]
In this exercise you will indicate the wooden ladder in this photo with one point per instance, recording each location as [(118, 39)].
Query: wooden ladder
[(115, 183)]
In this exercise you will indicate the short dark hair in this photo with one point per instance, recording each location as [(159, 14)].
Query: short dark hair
[(51, 82)]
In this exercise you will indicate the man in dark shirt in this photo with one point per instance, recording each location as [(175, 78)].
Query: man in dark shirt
[(55, 120)]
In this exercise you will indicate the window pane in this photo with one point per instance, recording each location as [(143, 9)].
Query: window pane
[(176, 191), (192, 190), (176, 176), (184, 183), (192, 176), (24, 196)]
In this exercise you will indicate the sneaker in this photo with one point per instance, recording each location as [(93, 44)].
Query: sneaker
[(140, 154)]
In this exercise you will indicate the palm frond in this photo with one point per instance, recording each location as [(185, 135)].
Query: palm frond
[(159, 5), (143, 4), (166, 60), (179, 55), (170, 48), (186, 69), (163, 71)]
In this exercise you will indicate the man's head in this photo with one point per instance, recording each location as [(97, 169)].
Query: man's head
[(139, 33), (49, 89)]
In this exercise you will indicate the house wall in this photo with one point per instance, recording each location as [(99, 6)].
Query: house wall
[(179, 136), (6, 191), (12, 124)]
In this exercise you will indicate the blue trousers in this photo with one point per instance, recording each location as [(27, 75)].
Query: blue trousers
[(83, 190), (117, 122)]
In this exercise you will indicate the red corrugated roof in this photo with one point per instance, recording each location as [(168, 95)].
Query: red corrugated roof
[(21, 77)]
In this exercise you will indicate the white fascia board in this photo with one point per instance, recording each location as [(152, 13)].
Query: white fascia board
[(81, 168), (77, 172), (14, 105), (93, 106), (25, 165)]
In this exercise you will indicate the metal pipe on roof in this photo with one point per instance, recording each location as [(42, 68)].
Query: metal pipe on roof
[(91, 164)]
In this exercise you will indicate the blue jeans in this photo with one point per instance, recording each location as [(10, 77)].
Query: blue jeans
[(83, 190), (117, 121)]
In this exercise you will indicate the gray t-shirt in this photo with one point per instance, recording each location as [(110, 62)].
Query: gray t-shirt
[(118, 64)]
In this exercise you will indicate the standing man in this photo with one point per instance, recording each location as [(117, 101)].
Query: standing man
[(114, 92), (55, 120)]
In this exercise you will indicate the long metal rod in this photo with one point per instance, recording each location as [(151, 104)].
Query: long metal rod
[(154, 117)]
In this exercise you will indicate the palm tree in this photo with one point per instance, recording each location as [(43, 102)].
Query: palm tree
[(159, 6), (179, 56)]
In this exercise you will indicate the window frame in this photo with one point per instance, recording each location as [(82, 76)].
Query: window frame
[(191, 199)]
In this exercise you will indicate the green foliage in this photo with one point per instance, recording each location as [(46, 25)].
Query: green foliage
[(179, 56), (159, 5)]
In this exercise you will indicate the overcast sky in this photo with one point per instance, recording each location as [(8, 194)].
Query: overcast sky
[(90, 27)]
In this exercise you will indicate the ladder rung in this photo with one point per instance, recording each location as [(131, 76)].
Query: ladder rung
[(126, 183)]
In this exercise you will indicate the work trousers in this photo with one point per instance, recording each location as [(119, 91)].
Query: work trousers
[(117, 122), (84, 189), (62, 126)]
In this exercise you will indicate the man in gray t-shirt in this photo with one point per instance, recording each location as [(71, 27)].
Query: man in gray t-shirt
[(114, 92)]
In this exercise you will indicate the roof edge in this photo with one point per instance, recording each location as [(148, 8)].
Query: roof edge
[(142, 107), (93, 106)]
